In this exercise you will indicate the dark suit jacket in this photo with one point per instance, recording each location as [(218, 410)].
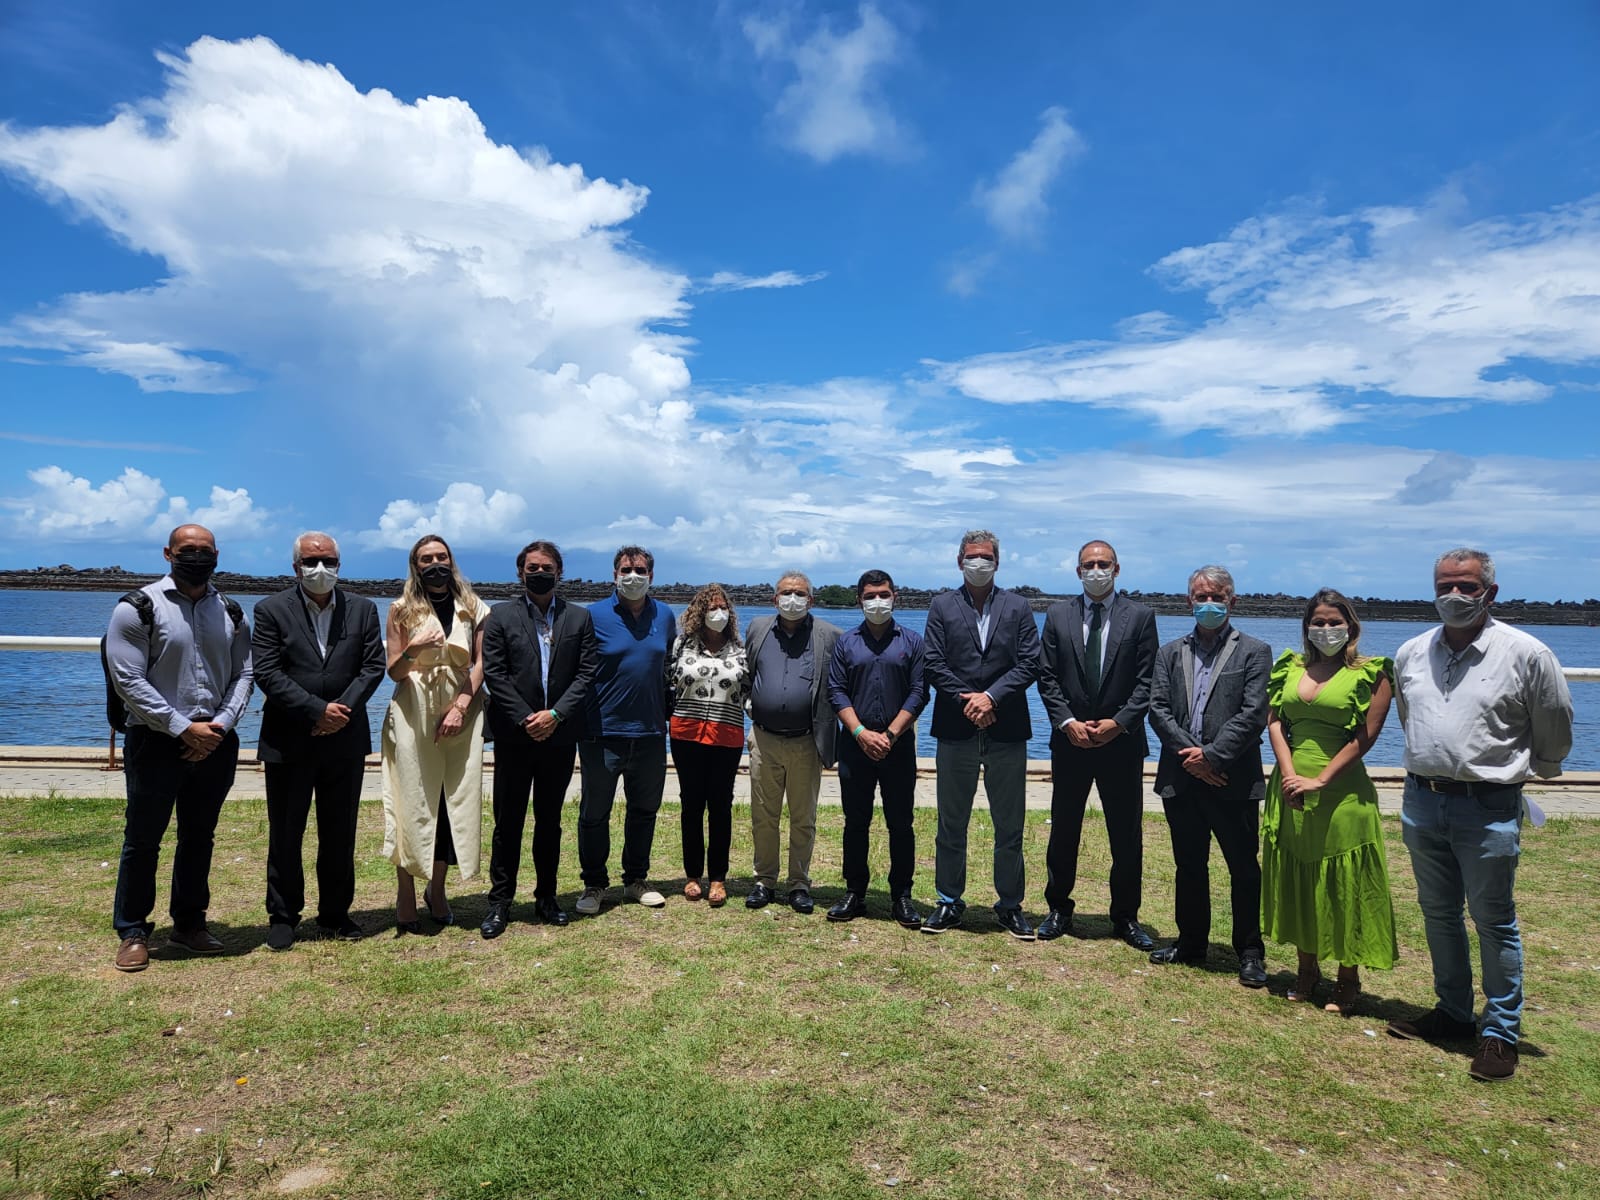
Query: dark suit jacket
[(1130, 661), (824, 636), (954, 663), (298, 682), (511, 656), (1235, 715)]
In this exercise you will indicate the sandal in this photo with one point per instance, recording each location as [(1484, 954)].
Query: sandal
[(1305, 983), (692, 890), (717, 896), (1346, 990)]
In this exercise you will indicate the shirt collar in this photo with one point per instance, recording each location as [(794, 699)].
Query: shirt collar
[(1478, 646)]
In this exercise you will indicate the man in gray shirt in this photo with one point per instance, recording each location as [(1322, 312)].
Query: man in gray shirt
[(184, 675), (794, 735), (1484, 706)]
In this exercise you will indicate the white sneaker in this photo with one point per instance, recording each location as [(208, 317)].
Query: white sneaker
[(642, 893), (589, 903)]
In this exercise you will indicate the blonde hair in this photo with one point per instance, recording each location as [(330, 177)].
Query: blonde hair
[(414, 607)]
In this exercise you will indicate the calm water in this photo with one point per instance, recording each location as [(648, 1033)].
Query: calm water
[(59, 699)]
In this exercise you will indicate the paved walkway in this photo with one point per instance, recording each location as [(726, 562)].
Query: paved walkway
[(79, 771)]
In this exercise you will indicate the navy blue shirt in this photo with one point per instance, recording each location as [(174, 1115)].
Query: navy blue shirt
[(878, 675), (629, 696)]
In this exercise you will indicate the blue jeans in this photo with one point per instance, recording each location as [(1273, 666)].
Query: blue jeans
[(1005, 768), (641, 765), (1464, 849)]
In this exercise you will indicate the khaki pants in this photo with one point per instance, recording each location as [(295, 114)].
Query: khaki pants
[(779, 767)]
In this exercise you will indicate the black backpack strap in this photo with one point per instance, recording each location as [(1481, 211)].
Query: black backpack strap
[(235, 613), (116, 710)]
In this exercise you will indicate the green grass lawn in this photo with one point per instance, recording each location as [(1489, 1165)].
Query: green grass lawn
[(692, 1052)]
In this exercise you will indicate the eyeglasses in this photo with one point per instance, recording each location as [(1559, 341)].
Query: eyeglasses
[(320, 560), (1454, 668)]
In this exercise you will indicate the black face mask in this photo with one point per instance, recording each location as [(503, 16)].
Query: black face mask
[(539, 583), (194, 568), (436, 577)]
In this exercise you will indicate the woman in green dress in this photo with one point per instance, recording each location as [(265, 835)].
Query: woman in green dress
[(1325, 880)]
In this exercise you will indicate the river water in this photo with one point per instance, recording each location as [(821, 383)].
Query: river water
[(58, 699)]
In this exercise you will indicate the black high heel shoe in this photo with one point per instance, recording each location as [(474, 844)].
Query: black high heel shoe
[(407, 927), (449, 917)]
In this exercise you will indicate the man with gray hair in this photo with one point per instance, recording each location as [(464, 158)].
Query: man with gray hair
[(1208, 705), (319, 656), (794, 735), (1484, 706)]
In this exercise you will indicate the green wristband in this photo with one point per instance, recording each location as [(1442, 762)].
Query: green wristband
[(856, 732)]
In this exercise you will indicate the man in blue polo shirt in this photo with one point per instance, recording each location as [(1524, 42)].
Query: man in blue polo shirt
[(876, 685), (627, 731)]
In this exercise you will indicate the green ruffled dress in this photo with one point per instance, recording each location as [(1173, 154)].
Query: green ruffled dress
[(1324, 875)]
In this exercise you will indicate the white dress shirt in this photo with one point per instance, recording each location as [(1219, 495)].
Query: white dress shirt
[(1494, 712)]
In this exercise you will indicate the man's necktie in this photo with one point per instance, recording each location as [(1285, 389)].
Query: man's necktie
[(1091, 649)]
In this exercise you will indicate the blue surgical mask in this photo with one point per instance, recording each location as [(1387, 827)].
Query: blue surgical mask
[(1210, 614)]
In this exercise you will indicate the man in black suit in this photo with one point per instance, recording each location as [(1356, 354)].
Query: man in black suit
[(1099, 654), (1208, 705), (539, 660), (318, 654), (981, 653)]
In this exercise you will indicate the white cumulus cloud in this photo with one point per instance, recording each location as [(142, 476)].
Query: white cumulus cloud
[(133, 505), (834, 105), (1016, 201), (464, 516)]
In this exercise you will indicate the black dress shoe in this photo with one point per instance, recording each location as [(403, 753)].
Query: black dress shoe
[(1054, 925), (906, 912), (1134, 934), (280, 935), (346, 931), (1434, 1026), (550, 912), (848, 908), (760, 896), (943, 918), (1252, 971), (1014, 923), (800, 900), (495, 920), (1175, 955)]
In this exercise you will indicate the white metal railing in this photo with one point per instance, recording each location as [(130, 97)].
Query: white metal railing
[(11, 642)]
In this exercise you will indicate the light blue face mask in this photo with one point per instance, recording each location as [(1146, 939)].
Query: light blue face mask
[(1210, 614)]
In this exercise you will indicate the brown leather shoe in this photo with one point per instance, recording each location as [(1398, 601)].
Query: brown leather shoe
[(198, 940), (1494, 1061), (134, 953)]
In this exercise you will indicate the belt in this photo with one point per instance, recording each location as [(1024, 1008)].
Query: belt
[(1459, 787), (782, 733)]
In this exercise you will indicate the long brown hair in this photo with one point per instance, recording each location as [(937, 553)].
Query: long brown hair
[(694, 617), (1350, 655), (414, 606)]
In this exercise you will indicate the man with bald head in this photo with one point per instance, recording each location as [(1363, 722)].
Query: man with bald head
[(319, 656), (178, 654)]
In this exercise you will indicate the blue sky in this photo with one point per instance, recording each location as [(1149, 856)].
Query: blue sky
[(1314, 293)]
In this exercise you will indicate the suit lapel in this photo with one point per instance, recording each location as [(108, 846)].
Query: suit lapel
[(336, 626), (532, 628), (969, 613), (1112, 635), (306, 626), (1223, 655), (1188, 681)]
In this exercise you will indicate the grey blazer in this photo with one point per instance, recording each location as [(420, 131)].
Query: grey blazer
[(824, 722), (1235, 714)]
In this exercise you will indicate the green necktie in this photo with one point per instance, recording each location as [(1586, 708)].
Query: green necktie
[(1091, 649)]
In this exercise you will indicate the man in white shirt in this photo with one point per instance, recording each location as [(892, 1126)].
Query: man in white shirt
[(1484, 706)]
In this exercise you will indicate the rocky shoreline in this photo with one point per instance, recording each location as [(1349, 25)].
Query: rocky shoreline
[(115, 579)]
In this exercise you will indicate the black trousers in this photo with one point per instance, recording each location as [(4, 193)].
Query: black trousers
[(895, 776), (1194, 815), (160, 783), (333, 783), (540, 772), (1116, 771), (705, 791)]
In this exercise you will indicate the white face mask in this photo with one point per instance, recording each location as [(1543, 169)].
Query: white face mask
[(632, 585), (1098, 581), (1329, 639), (793, 606), (977, 571), (319, 580), (878, 609), (716, 619)]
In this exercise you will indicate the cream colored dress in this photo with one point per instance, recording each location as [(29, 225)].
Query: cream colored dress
[(416, 769)]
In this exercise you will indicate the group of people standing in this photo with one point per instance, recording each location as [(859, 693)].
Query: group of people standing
[(608, 688)]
